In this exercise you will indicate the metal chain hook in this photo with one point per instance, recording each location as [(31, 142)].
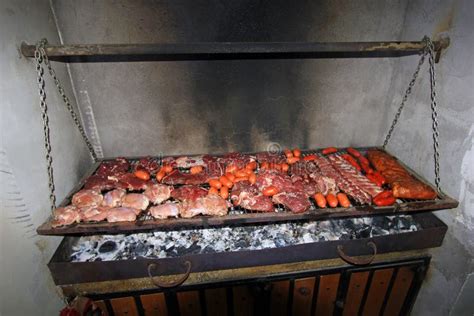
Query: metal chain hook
[(428, 50), (45, 118)]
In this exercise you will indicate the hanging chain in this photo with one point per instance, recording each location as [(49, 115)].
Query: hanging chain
[(428, 50), (66, 100), (434, 111), (45, 118), (405, 98), (40, 58)]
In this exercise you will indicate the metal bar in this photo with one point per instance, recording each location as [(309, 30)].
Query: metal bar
[(229, 50)]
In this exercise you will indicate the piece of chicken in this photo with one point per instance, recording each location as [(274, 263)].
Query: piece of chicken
[(166, 210), (122, 214), (94, 213), (113, 198), (135, 200), (86, 198), (157, 193), (66, 216), (207, 205)]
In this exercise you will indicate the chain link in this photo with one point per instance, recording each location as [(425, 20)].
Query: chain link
[(434, 111), (428, 50), (44, 116), (66, 100)]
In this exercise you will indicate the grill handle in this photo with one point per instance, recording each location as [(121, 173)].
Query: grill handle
[(358, 261), (152, 266)]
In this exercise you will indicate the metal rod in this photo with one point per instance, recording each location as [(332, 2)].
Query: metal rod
[(229, 50)]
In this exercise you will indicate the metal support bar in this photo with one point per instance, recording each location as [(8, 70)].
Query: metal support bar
[(229, 50)]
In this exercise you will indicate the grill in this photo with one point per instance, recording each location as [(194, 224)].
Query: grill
[(240, 216)]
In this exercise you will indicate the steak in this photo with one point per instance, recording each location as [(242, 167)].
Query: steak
[(271, 157), (100, 183), (113, 167), (178, 177), (148, 164), (132, 183), (236, 159), (295, 201), (247, 196), (188, 192)]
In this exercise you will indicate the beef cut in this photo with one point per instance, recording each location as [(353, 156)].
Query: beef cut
[(179, 177), (147, 164), (236, 159), (247, 196), (188, 192), (296, 201), (100, 183), (85, 198), (132, 183), (114, 167)]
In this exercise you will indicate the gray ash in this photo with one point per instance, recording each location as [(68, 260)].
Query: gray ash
[(211, 240)]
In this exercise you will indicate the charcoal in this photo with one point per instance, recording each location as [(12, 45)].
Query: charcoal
[(108, 246)]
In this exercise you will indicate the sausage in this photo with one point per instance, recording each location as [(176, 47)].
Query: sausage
[(215, 183), (384, 194), (252, 178), (238, 179), (270, 191), (231, 168), (251, 165), (320, 200), (226, 182), (292, 160), (374, 179), (284, 167), (332, 200), (343, 200), (288, 153), (276, 166), (309, 158), (241, 173), (351, 160), (167, 168), (264, 165), (366, 168), (296, 152), (213, 190), (230, 176), (196, 169), (364, 160), (329, 150), (380, 177), (160, 175), (224, 192), (354, 152), (384, 201), (142, 174)]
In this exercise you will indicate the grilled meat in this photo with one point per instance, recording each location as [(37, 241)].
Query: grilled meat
[(164, 211), (113, 168), (158, 193), (207, 205), (66, 216), (247, 196), (122, 214), (85, 198), (113, 198), (402, 183), (135, 200), (188, 192)]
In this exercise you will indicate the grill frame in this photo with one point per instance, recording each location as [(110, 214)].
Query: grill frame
[(406, 207)]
